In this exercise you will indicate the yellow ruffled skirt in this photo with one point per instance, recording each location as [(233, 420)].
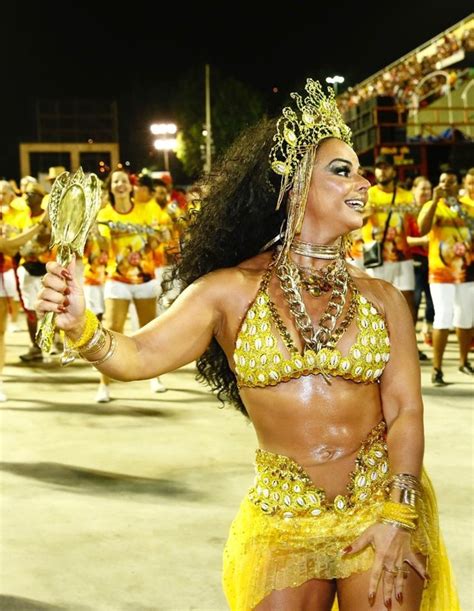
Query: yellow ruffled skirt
[(286, 531)]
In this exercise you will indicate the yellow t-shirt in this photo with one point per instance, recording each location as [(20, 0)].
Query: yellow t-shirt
[(450, 257), (130, 245), (395, 247), (13, 222), (95, 259), (161, 220)]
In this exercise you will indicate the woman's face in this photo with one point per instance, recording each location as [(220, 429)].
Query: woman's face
[(422, 192), (120, 184), (469, 185), (337, 193)]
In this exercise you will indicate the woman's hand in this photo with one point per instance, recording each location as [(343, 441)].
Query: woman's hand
[(61, 294), (392, 555)]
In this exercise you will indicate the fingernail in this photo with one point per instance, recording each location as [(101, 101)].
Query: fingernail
[(66, 291), (399, 597), (66, 274), (347, 549), (61, 309), (66, 302), (371, 599), (388, 603)]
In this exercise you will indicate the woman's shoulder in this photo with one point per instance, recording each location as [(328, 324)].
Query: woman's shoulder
[(238, 282), (381, 293)]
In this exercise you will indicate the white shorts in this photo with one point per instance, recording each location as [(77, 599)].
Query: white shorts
[(399, 273), (30, 286), (122, 290), (94, 296), (453, 305), (8, 285)]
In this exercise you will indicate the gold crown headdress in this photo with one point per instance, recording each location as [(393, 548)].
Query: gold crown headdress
[(297, 135), (292, 157)]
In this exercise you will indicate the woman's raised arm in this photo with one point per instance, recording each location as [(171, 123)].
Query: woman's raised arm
[(176, 338)]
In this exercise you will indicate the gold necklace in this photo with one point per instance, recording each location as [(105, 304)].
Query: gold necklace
[(317, 281), (316, 251), (290, 283)]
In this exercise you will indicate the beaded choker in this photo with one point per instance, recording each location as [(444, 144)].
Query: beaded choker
[(316, 251)]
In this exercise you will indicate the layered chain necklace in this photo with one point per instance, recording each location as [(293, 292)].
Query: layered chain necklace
[(295, 279)]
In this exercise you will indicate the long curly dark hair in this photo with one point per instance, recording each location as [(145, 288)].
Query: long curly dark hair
[(237, 218)]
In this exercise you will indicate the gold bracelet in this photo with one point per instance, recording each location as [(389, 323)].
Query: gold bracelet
[(400, 513), (110, 351), (406, 480), (405, 496), (399, 524), (96, 344), (92, 322)]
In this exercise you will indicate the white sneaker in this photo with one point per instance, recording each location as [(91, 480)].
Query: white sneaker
[(157, 386), (3, 396), (103, 394)]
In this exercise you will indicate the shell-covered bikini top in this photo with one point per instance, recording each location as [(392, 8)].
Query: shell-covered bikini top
[(259, 361)]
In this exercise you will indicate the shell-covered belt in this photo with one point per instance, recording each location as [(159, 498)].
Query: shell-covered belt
[(283, 488)]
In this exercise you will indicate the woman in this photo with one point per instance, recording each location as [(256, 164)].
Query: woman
[(9, 247), (131, 269), (330, 513)]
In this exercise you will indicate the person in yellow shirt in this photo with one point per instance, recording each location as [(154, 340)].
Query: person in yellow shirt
[(397, 267), (35, 254), (15, 231), (131, 267), (15, 218), (449, 223)]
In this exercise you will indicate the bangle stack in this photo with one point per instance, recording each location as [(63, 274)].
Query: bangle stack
[(407, 487), (93, 341)]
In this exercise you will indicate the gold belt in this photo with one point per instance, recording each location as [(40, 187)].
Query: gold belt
[(283, 488)]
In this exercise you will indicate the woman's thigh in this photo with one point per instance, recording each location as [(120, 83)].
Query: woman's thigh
[(313, 595), (353, 593)]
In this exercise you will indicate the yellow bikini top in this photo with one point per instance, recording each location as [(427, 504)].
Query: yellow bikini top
[(260, 362)]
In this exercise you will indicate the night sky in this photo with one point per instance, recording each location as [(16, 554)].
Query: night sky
[(89, 50)]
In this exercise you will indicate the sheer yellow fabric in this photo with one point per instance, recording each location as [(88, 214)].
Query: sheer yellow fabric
[(286, 532)]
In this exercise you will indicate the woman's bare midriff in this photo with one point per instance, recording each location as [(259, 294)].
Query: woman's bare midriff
[(319, 426)]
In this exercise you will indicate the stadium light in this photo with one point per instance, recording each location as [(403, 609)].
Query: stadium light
[(164, 143), (335, 81)]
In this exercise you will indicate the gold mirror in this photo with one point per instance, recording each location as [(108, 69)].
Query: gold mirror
[(73, 206)]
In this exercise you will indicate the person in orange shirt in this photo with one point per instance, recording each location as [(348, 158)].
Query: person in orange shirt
[(449, 222)]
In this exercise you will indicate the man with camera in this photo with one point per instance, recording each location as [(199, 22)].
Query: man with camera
[(449, 221)]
